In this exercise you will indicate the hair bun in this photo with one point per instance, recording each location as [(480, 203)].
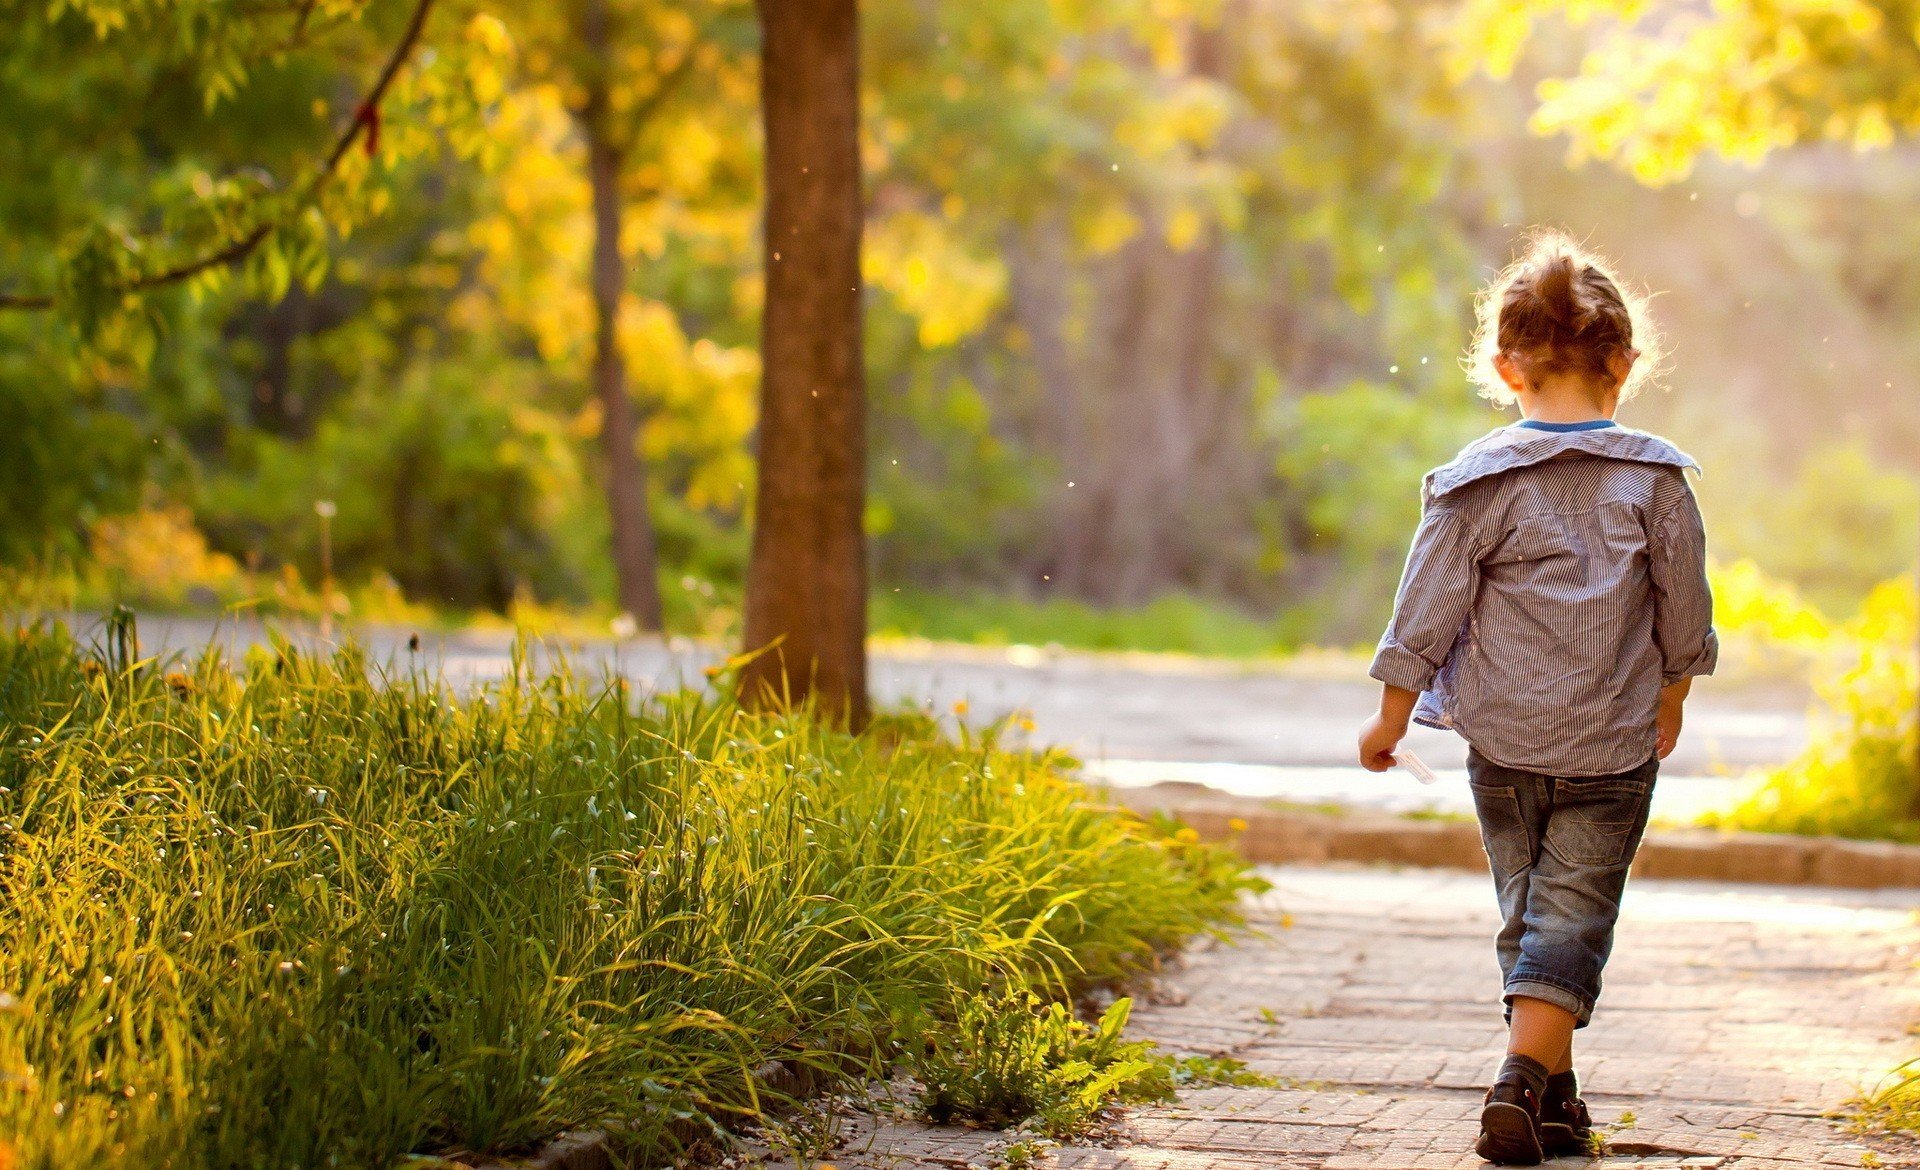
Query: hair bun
[(1554, 289), (1558, 309)]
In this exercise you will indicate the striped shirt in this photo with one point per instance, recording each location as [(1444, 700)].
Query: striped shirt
[(1557, 582)]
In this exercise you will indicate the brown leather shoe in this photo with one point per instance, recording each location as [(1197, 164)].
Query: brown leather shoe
[(1565, 1125), (1510, 1126)]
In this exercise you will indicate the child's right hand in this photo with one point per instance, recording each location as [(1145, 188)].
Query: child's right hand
[(1378, 737)]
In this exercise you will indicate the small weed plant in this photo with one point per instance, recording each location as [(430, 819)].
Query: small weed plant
[(1009, 1059), (309, 912)]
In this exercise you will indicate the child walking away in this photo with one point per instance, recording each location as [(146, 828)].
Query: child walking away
[(1554, 611)]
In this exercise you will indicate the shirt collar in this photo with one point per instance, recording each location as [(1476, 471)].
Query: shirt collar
[(1514, 447)]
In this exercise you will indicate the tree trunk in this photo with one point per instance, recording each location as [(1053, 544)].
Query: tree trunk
[(806, 606), (634, 554), (1039, 275)]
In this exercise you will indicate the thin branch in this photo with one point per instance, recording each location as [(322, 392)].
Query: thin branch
[(365, 120)]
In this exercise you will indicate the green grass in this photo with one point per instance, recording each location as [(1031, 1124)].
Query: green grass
[(1173, 623), (294, 912)]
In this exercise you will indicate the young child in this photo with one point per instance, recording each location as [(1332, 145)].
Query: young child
[(1554, 611)]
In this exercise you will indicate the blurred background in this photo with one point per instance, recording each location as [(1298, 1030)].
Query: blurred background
[(1166, 302)]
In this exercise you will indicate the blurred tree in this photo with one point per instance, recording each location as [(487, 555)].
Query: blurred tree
[(635, 75), (619, 63), (155, 152), (1125, 230), (806, 604)]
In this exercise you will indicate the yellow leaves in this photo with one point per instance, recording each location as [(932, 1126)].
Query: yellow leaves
[(1166, 45), (1872, 129), (1189, 115), (1859, 19), (1488, 38), (692, 149), (1740, 80), (159, 554), (1183, 228), (490, 51), (949, 287), (700, 400), (1749, 604), (1103, 226), (490, 33)]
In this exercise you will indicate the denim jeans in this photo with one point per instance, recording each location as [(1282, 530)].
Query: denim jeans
[(1560, 847)]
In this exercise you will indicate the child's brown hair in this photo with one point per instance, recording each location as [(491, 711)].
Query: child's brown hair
[(1560, 308)]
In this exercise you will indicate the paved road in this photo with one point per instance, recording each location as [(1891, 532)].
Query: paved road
[(1735, 1017), (1122, 708)]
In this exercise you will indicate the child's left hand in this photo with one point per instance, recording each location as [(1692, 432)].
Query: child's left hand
[(1667, 720)]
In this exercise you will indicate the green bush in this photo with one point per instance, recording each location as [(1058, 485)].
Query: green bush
[(66, 457), (315, 912), (1351, 461), (444, 481), (1842, 522)]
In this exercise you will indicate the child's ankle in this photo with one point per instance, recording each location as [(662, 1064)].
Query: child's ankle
[(1526, 1070)]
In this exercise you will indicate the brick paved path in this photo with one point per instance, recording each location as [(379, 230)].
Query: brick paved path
[(1735, 1016)]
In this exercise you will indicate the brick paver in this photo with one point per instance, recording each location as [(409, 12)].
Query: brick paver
[(1736, 1017)]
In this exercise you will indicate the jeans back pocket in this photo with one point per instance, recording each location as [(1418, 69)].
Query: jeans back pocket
[(1503, 827), (1599, 822)]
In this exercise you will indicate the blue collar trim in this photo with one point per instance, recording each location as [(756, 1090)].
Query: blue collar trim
[(1592, 424)]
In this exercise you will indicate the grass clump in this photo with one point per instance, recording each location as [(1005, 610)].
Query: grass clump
[(1895, 1104), (1859, 777), (1009, 1059), (294, 912)]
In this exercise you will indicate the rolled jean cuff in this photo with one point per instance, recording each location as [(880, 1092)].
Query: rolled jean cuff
[(1553, 993)]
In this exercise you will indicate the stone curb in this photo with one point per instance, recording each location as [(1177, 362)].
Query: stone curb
[(586, 1149), (1289, 835)]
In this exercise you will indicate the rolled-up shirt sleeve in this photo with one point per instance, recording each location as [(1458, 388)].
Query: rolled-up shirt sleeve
[(1436, 591), (1682, 600)]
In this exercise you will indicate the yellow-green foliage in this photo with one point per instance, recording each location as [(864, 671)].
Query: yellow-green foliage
[(1766, 628), (1895, 1104), (1858, 777), (307, 912), (1006, 1059)]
